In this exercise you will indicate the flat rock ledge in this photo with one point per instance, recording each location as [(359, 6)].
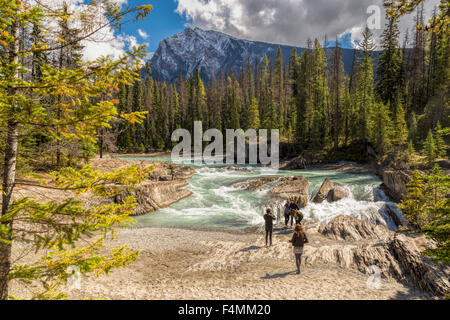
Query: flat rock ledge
[(152, 196)]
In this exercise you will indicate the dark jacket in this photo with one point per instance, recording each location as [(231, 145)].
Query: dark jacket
[(294, 206), (299, 241), (269, 220)]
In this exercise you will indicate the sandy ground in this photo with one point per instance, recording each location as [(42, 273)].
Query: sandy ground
[(188, 264)]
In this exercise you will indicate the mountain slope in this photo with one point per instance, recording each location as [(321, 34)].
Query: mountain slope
[(209, 51)]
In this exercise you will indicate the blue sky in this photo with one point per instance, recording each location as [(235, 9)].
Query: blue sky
[(162, 23), (276, 21)]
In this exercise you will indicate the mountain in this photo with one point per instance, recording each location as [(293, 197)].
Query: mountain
[(208, 51)]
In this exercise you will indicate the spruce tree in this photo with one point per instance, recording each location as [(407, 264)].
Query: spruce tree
[(390, 66), (254, 121), (429, 148), (441, 147), (364, 92)]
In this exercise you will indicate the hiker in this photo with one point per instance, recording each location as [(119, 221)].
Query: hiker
[(294, 206), (298, 217), (269, 217), (298, 241), (287, 213)]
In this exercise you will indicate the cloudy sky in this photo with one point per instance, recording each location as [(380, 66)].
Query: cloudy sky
[(278, 21)]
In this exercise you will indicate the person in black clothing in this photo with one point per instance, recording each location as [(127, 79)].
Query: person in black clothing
[(287, 213), (298, 241), (294, 206), (269, 218)]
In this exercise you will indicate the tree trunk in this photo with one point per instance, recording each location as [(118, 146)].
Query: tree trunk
[(101, 144), (9, 172)]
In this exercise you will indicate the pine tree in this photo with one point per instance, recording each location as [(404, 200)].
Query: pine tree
[(337, 81), (254, 121), (381, 128), (390, 67), (429, 148), (364, 92), (199, 99), (413, 205), (441, 147), (278, 90), (400, 130)]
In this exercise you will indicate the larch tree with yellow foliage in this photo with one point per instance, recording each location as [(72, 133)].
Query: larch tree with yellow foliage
[(82, 102)]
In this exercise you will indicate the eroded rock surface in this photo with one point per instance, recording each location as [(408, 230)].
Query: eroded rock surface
[(152, 196), (396, 255), (295, 189), (352, 229)]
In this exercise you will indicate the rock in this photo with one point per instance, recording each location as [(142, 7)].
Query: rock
[(339, 192), (295, 164), (237, 168), (444, 164), (323, 192), (395, 182), (360, 257), (396, 255), (428, 276), (331, 192), (398, 222), (152, 196), (352, 229), (296, 190), (255, 184)]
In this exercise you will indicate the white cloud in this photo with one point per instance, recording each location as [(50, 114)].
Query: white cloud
[(105, 42), (142, 34), (286, 21)]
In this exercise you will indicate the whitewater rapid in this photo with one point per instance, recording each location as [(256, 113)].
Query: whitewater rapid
[(220, 201)]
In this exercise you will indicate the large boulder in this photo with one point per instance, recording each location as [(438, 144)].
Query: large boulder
[(323, 192), (298, 163), (295, 189), (395, 182), (352, 229), (331, 192), (338, 192)]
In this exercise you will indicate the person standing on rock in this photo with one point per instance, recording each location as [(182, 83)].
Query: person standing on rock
[(269, 218), (298, 241), (287, 213)]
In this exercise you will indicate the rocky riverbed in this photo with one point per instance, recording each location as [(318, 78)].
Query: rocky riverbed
[(346, 258)]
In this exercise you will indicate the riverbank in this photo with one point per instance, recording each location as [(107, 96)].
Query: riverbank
[(198, 264), (188, 264)]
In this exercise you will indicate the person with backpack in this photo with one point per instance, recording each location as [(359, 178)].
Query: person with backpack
[(269, 218), (298, 241)]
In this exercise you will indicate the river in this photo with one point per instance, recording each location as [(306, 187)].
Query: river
[(217, 203)]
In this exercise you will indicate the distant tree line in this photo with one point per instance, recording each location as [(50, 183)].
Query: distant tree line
[(396, 104)]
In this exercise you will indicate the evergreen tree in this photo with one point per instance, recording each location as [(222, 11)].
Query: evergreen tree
[(429, 148), (254, 121), (390, 66), (364, 92), (441, 147), (413, 205)]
